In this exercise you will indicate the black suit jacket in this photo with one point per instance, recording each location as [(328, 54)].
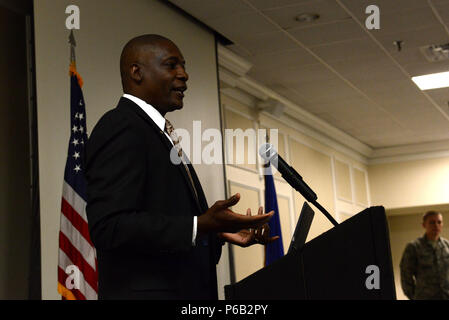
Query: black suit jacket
[(140, 212)]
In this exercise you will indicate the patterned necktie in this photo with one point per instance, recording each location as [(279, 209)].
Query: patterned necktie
[(174, 137), (171, 132)]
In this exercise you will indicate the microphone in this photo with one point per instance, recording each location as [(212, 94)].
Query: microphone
[(268, 153)]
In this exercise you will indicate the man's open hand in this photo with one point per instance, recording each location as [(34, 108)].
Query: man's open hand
[(247, 237), (219, 218)]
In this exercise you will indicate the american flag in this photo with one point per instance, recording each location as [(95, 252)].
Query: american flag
[(77, 265)]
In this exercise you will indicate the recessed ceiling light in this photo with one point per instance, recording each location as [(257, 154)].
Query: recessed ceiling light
[(432, 81), (307, 17)]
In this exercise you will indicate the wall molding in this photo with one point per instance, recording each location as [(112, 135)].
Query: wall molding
[(410, 157), (232, 61), (411, 149)]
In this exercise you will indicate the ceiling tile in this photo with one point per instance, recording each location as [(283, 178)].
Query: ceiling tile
[(430, 137), (414, 39), (370, 70), (355, 50), (337, 121), (298, 75), (232, 26), (328, 10), (386, 88), (341, 106), (440, 96), (311, 73), (268, 4), (325, 91), (282, 59), (406, 20), (400, 105), (426, 122), (279, 62), (212, 9), (374, 132), (409, 56), (418, 69), (439, 2), (328, 33), (265, 43), (443, 10), (358, 7), (289, 93)]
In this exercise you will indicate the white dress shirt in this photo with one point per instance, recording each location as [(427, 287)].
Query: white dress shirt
[(159, 120)]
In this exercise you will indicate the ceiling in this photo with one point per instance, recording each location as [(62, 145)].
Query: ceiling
[(335, 68)]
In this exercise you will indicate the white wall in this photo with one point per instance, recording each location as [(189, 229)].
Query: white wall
[(106, 25), (410, 183)]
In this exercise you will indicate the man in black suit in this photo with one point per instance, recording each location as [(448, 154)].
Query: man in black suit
[(155, 235)]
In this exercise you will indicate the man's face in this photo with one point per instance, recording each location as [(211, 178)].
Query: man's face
[(164, 77), (433, 225)]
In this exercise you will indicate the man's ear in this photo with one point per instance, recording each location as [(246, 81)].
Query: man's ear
[(136, 73)]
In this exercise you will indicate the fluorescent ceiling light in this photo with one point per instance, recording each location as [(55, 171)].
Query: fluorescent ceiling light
[(432, 81)]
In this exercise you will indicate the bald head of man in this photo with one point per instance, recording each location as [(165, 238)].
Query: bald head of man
[(153, 69)]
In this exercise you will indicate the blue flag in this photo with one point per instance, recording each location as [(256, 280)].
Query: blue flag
[(274, 250)]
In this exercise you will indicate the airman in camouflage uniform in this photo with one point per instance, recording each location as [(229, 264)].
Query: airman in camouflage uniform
[(425, 262)]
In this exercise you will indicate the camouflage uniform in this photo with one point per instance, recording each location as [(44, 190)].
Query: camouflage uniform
[(425, 269)]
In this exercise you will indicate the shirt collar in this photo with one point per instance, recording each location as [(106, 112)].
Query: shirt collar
[(149, 110), (425, 240)]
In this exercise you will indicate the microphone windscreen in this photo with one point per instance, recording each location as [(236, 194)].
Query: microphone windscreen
[(267, 151)]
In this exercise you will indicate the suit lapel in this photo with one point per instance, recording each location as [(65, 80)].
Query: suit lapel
[(124, 102)]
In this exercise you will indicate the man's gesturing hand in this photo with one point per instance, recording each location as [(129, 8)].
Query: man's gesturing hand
[(247, 237), (219, 218)]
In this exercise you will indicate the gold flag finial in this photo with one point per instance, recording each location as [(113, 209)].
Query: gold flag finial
[(72, 69)]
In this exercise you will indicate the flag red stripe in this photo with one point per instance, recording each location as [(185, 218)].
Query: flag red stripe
[(75, 256), (62, 276), (77, 221)]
